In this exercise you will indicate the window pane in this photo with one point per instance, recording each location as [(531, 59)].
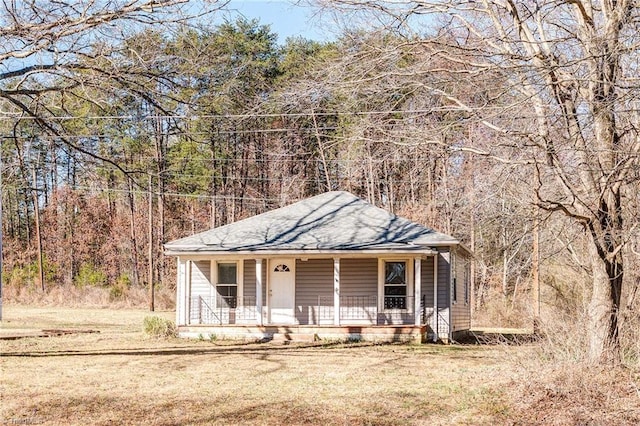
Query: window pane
[(455, 290), (395, 273), (227, 296), (227, 290), (227, 273), (395, 302), (282, 268), (395, 290)]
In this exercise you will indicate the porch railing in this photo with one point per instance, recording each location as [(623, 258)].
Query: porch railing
[(358, 309), (223, 310), (365, 308)]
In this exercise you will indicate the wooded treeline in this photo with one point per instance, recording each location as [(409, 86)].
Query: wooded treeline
[(230, 124), (165, 134)]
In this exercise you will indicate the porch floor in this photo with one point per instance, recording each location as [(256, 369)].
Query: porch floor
[(377, 333)]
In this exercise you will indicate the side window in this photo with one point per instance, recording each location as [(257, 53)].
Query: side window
[(467, 278), (454, 280), (455, 289)]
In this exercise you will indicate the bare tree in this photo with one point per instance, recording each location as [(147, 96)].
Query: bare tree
[(75, 47), (59, 52), (569, 111)]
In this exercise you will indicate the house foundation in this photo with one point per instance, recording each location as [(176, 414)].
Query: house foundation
[(395, 333)]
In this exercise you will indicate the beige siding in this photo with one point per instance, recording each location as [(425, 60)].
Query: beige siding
[(200, 278), (461, 309), (359, 291), (358, 277), (444, 259), (264, 282), (426, 287), (314, 291), (200, 287), (249, 285), (426, 273)]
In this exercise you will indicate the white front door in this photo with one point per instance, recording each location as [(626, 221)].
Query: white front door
[(282, 289)]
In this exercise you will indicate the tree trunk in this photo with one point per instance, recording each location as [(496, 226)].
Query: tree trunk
[(161, 165), (36, 216), (535, 272), (132, 230), (603, 309), (607, 269), (150, 247)]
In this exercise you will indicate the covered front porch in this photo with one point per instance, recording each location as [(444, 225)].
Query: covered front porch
[(380, 297)]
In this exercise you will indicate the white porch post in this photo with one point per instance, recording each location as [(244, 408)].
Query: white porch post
[(336, 291), (180, 290), (259, 290), (188, 273), (417, 289), (183, 294), (435, 297)]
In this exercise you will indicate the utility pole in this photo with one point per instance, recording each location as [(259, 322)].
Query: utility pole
[(151, 289)]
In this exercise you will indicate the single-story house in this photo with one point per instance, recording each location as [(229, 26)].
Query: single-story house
[(331, 266)]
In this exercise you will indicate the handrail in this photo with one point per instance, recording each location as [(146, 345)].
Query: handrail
[(213, 313), (224, 310)]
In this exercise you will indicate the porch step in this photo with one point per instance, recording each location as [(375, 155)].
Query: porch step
[(294, 337)]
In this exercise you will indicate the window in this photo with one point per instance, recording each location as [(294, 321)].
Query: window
[(395, 285), (227, 285), (467, 274), (282, 268), (455, 290), (454, 281)]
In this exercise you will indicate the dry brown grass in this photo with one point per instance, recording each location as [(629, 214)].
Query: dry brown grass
[(574, 394), (498, 311), (120, 377), (91, 296)]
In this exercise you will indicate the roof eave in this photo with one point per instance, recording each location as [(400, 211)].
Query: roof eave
[(427, 251)]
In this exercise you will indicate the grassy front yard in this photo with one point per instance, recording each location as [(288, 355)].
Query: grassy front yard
[(119, 376)]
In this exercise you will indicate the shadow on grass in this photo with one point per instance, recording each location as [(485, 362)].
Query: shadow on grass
[(470, 350), (284, 410), (238, 348)]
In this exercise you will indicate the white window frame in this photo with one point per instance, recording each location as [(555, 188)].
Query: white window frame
[(410, 282), (239, 278)]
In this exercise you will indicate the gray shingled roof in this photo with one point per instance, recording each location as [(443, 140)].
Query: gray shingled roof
[(333, 221)]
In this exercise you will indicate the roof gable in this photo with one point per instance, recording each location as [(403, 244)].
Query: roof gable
[(334, 220)]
